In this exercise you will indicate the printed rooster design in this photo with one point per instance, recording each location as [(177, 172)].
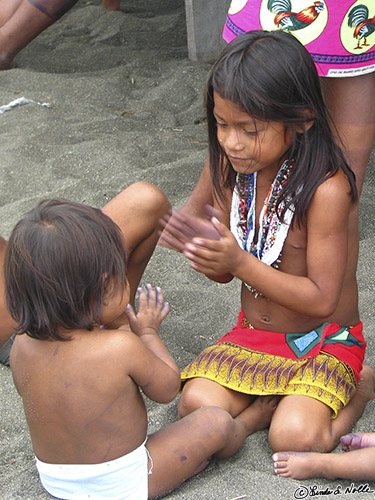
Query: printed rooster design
[(285, 19), (363, 26)]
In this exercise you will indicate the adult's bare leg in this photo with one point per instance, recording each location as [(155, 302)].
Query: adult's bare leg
[(27, 22), (7, 9), (351, 104)]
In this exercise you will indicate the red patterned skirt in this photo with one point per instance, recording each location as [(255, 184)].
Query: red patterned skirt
[(323, 364)]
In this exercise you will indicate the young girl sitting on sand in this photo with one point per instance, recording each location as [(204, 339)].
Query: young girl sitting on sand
[(284, 195), (66, 277)]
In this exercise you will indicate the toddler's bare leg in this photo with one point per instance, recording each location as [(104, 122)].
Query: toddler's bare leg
[(291, 429), (137, 211), (356, 465), (7, 324), (182, 448)]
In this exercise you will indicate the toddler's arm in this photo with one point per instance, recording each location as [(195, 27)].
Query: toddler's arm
[(159, 376)]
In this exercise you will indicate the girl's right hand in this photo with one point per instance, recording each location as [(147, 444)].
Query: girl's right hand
[(151, 311), (180, 229)]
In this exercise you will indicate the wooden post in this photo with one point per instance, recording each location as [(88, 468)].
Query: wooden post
[(205, 21)]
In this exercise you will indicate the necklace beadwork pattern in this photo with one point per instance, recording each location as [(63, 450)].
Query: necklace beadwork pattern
[(272, 231)]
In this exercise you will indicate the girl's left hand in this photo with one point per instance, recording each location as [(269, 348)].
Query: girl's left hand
[(212, 257)]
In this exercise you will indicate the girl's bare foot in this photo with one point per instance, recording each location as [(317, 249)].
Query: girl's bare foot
[(257, 416), (355, 441), (298, 465)]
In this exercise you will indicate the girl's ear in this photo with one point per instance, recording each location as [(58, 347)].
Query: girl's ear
[(306, 126), (310, 120)]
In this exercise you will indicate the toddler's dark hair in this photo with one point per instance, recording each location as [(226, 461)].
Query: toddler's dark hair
[(62, 259)]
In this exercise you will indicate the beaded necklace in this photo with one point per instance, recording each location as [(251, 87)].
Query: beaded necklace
[(272, 232)]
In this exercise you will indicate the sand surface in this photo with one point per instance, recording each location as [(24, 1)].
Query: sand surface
[(126, 105)]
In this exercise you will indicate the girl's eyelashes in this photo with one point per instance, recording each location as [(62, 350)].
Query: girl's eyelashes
[(221, 125)]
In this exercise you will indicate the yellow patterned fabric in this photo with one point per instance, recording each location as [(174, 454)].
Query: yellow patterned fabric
[(322, 377)]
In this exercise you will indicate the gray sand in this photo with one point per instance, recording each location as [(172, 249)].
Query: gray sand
[(126, 106)]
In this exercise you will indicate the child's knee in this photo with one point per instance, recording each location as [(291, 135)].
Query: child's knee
[(151, 197), (217, 422), (299, 436), (191, 399)]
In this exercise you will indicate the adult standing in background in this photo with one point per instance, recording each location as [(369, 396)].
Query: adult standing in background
[(340, 36)]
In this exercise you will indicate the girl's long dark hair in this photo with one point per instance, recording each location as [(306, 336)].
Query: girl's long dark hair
[(61, 261), (272, 77)]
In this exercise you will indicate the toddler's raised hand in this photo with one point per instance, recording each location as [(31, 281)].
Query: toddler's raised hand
[(151, 311)]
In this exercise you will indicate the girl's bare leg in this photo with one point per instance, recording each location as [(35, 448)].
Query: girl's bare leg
[(27, 22), (292, 427), (199, 392), (111, 4), (184, 447), (351, 104), (356, 465), (137, 211)]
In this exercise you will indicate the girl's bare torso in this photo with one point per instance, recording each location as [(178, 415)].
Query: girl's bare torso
[(265, 314)]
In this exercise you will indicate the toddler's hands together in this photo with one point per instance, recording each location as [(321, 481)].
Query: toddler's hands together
[(151, 311)]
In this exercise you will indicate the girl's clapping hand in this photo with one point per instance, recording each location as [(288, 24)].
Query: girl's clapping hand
[(180, 229), (214, 257)]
